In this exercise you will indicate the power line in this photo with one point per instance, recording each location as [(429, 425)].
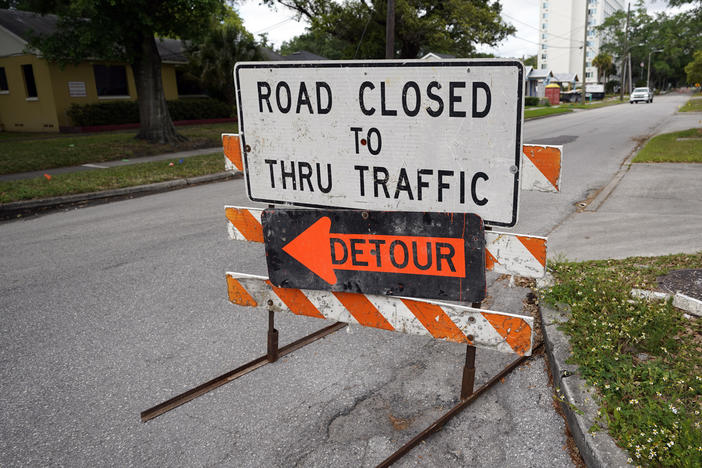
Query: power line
[(278, 24), (533, 27)]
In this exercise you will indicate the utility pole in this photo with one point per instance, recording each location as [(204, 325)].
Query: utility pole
[(587, 6), (390, 31), (624, 55)]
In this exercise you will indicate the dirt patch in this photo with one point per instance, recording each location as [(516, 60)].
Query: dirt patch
[(688, 282)]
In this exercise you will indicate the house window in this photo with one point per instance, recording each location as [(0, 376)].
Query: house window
[(543, 56), (543, 25), (545, 5), (545, 15), (3, 81), (544, 46), (588, 74), (110, 80), (29, 84), (543, 66), (543, 36)]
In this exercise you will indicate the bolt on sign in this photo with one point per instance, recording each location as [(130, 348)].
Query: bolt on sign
[(440, 136), (432, 255)]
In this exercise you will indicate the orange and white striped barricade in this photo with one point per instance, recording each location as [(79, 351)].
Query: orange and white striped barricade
[(541, 167), (508, 253), (498, 331), (231, 145)]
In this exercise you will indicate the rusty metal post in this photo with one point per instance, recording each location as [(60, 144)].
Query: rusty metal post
[(468, 382), (468, 373), (272, 354)]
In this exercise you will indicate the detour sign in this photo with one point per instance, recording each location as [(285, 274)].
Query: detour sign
[(436, 255)]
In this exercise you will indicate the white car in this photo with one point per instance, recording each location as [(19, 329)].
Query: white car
[(641, 94)]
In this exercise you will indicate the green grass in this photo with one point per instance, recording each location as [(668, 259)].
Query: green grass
[(667, 148), (20, 154), (112, 178), (643, 358), (693, 105), (532, 113), (596, 104)]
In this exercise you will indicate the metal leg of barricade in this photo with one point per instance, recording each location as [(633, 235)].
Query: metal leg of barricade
[(272, 355)]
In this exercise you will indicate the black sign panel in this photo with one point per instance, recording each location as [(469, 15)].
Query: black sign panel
[(428, 255)]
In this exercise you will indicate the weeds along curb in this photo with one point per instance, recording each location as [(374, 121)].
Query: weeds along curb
[(578, 402), (28, 207)]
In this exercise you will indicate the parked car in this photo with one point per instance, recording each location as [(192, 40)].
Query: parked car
[(641, 94)]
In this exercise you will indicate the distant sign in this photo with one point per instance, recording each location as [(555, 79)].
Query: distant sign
[(434, 136), (434, 255)]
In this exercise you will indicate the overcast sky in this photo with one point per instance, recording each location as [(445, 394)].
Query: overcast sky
[(280, 24)]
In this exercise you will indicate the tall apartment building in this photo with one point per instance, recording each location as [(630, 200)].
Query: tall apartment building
[(561, 28)]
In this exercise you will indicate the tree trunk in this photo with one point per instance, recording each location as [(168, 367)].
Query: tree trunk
[(155, 124)]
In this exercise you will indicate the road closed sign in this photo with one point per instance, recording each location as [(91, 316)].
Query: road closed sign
[(423, 136)]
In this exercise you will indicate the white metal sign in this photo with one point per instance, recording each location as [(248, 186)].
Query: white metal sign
[(384, 135)]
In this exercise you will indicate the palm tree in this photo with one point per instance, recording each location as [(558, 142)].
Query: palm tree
[(603, 62)]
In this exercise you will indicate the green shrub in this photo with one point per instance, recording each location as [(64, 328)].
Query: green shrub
[(194, 109), (531, 101), (125, 112), (104, 113)]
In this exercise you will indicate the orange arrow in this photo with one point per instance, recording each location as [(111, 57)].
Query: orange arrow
[(322, 252)]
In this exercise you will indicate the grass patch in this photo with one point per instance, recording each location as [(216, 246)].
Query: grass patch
[(692, 105), (112, 178), (644, 358), (532, 113), (595, 104), (667, 148), (23, 155)]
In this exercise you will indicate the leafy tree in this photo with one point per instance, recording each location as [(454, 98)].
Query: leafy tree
[(444, 26), (530, 61), (317, 42), (694, 69), (604, 64), (678, 35), (127, 30), (212, 59)]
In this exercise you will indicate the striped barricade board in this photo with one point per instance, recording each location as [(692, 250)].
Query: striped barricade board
[(541, 164), (541, 167), (508, 253), (498, 331)]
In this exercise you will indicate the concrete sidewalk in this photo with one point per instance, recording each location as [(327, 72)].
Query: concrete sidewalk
[(656, 209), (647, 209), (107, 164)]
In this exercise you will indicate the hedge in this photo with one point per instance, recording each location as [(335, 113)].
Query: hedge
[(124, 112), (536, 101)]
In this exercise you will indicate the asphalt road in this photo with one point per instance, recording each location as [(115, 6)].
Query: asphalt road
[(111, 309)]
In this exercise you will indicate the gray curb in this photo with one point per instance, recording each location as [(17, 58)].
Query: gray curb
[(8, 210), (598, 450)]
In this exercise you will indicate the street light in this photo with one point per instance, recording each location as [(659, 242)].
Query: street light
[(648, 76)]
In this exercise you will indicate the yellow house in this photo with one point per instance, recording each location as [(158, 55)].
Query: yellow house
[(35, 94)]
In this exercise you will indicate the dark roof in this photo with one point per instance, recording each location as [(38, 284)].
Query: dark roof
[(269, 54), (303, 55), (171, 50), (25, 24)]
